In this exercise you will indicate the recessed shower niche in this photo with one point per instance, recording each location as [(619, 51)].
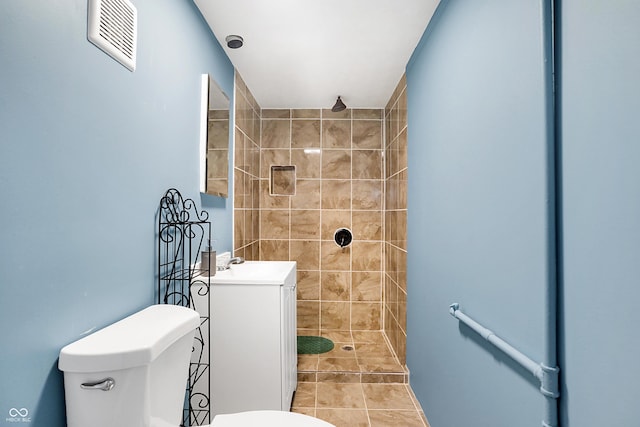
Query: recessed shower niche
[(282, 181)]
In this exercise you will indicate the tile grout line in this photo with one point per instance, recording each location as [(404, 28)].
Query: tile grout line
[(366, 407), (416, 404)]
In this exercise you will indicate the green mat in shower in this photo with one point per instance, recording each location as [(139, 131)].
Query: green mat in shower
[(314, 345)]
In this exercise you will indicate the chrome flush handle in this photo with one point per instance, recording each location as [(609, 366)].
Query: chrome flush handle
[(104, 385)]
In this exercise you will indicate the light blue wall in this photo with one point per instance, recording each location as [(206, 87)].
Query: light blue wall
[(87, 149), (475, 226), (600, 137), (478, 224)]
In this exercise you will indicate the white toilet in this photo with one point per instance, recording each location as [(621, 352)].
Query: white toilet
[(134, 374)]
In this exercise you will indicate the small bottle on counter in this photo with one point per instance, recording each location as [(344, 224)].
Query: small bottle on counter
[(208, 261)]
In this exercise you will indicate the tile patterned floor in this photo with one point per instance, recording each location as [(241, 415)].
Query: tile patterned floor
[(363, 386), (357, 356), (356, 404)]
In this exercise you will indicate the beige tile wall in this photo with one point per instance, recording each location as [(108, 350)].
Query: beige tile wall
[(395, 239), (246, 173), (339, 183), (346, 176)]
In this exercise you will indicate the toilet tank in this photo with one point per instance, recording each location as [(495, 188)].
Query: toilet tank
[(132, 373)]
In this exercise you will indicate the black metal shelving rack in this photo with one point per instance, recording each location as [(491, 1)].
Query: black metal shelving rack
[(182, 231)]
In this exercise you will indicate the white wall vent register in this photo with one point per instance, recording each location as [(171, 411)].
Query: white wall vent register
[(113, 27)]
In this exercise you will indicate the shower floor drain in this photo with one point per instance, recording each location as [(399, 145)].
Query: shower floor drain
[(347, 347)]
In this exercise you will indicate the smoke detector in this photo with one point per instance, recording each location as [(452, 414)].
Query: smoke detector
[(234, 42)]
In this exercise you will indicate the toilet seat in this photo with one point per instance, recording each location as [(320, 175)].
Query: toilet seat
[(267, 419)]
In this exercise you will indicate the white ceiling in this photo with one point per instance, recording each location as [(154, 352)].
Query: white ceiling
[(304, 53)]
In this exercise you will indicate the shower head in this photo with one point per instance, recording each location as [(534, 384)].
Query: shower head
[(339, 106)]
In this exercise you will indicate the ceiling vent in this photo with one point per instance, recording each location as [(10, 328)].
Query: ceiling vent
[(113, 28)]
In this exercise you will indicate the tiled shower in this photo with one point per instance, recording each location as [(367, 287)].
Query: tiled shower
[(395, 233), (349, 171)]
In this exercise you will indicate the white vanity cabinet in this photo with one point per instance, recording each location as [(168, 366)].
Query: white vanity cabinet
[(253, 337)]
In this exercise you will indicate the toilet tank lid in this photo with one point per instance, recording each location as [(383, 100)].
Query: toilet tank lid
[(134, 341)]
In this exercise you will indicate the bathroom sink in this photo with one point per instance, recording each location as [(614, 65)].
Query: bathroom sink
[(257, 273)]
